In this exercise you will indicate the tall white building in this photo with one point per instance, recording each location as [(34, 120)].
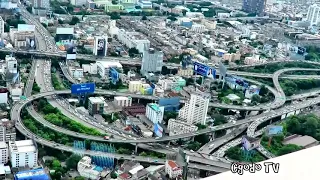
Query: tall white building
[(41, 4), (103, 68), (152, 61), (195, 110), (3, 153), (313, 14), (154, 112), (23, 153), (12, 64), (176, 127), (100, 47), (1, 25)]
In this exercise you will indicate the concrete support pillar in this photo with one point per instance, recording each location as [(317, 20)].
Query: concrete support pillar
[(138, 101), (212, 136), (136, 149), (169, 143), (192, 139)]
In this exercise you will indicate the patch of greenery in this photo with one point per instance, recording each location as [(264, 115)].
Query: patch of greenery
[(54, 116), (57, 85)]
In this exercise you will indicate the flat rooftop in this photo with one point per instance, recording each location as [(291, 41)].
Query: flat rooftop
[(307, 168)]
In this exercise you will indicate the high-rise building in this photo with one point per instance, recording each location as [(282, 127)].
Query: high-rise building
[(45, 4), (313, 15), (1, 25), (96, 105), (152, 61), (195, 110), (2, 133), (23, 153), (100, 46), (254, 6), (155, 113), (3, 153)]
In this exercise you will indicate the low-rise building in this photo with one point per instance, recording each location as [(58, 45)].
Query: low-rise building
[(172, 169), (23, 153), (185, 72), (87, 169), (123, 101), (96, 105), (134, 86), (231, 57), (176, 127)]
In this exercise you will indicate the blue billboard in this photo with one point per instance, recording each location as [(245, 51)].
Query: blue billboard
[(204, 70), (158, 130), (83, 88), (170, 104), (114, 76), (274, 130)]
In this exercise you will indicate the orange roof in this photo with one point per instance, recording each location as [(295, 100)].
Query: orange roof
[(172, 164)]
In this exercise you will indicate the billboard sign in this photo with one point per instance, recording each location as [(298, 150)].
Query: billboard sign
[(249, 143), (204, 70), (158, 130), (274, 130), (101, 47), (26, 27), (71, 52), (83, 88), (114, 76), (237, 81), (31, 43)]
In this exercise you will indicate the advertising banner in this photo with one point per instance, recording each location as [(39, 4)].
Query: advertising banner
[(158, 130), (31, 43), (101, 47), (83, 88), (204, 70), (114, 75), (274, 130), (71, 52)]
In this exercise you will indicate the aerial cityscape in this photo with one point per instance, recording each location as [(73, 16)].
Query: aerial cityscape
[(159, 90)]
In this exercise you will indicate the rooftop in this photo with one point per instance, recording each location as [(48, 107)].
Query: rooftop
[(22, 146), (301, 141), (154, 106), (3, 145), (96, 99), (172, 164), (108, 64)]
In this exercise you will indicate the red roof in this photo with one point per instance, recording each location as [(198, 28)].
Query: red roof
[(172, 164)]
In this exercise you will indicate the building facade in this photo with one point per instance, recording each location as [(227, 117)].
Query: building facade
[(172, 169), (23, 153), (195, 110), (3, 153), (45, 4), (155, 113), (254, 7), (176, 127), (313, 15), (103, 68), (123, 101), (1, 25), (152, 61), (96, 105)]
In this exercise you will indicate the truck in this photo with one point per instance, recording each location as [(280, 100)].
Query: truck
[(106, 137)]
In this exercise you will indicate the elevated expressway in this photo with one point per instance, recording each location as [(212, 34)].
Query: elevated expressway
[(270, 115)]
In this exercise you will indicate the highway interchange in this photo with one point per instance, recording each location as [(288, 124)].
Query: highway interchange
[(215, 165)]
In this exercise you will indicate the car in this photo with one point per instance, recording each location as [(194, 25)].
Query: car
[(191, 151)]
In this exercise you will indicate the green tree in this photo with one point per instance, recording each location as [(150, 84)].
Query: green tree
[(143, 154), (133, 51), (72, 161), (113, 175), (219, 119), (144, 17), (74, 20), (288, 149), (60, 21), (184, 12), (44, 25), (255, 98), (56, 164), (79, 178), (29, 9), (115, 15), (263, 90)]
